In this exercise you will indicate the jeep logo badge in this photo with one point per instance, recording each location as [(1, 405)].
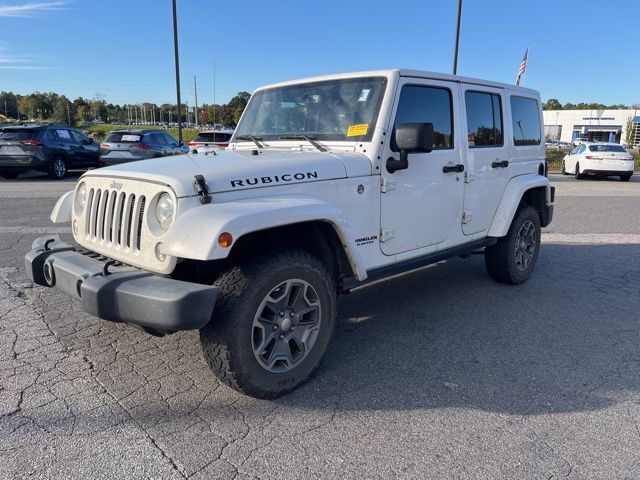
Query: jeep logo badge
[(116, 185)]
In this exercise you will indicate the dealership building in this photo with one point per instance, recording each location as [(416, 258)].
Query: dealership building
[(591, 125)]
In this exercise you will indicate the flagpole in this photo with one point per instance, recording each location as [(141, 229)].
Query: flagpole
[(527, 65)]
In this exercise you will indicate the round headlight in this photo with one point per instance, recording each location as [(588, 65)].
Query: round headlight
[(165, 210), (81, 197)]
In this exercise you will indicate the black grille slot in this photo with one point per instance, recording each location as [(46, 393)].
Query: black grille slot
[(140, 218), (127, 232)]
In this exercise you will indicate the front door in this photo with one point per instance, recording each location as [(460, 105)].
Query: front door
[(487, 154), (421, 205)]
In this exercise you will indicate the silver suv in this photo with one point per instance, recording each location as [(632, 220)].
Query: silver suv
[(128, 145)]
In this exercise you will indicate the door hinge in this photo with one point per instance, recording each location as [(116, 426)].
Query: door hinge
[(468, 176), (386, 235), (466, 217), (387, 185)]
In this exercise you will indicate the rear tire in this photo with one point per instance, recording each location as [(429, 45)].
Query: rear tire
[(625, 178), (512, 259), (258, 342), (57, 168)]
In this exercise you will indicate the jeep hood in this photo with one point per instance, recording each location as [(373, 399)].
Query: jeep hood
[(231, 170)]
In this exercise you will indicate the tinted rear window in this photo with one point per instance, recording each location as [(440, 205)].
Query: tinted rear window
[(123, 137), (607, 148), (16, 133), (212, 137)]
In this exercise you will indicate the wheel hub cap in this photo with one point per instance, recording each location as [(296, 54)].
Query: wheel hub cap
[(286, 326), (525, 245)]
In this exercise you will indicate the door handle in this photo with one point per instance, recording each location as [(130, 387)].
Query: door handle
[(453, 168), (501, 164)]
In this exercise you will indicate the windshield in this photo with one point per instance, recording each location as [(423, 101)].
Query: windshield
[(339, 110), (607, 148)]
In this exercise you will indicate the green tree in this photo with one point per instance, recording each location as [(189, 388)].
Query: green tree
[(84, 113), (629, 131), (61, 111), (552, 104)]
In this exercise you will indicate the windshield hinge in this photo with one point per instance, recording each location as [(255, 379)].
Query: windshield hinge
[(387, 185), (201, 188)]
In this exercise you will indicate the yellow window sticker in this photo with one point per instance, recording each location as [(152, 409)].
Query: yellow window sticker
[(358, 130)]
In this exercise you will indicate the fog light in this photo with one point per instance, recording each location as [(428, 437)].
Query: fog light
[(225, 240)]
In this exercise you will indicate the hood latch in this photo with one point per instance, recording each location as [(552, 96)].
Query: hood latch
[(201, 188)]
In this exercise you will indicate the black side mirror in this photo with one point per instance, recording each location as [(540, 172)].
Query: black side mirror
[(410, 138)]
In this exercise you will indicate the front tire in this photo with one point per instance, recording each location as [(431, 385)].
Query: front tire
[(272, 323), (512, 259), (563, 169), (578, 175)]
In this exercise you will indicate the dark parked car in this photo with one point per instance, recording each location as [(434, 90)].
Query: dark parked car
[(208, 140), (47, 148), (129, 145)]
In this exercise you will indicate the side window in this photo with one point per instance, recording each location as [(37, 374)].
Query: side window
[(169, 139), (63, 135), (581, 149), (525, 116), (52, 135), (78, 137), (484, 119), (427, 105), (157, 139)]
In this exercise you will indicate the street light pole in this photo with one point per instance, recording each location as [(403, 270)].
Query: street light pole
[(175, 48), (455, 53)]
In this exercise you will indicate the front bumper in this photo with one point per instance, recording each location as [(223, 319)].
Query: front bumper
[(157, 304)]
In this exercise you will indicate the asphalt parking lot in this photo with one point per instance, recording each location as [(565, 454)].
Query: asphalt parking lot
[(440, 373)]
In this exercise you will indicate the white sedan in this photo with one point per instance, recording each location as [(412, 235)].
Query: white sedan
[(598, 159)]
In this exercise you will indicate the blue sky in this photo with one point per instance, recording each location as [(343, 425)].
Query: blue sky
[(123, 48)]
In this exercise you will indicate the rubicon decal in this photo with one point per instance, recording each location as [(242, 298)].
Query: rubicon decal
[(286, 178)]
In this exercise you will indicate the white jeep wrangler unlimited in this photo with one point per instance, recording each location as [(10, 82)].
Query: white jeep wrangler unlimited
[(328, 183)]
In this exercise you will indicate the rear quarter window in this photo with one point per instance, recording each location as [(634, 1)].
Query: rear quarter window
[(525, 119)]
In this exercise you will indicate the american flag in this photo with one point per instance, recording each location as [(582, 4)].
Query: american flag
[(523, 67)]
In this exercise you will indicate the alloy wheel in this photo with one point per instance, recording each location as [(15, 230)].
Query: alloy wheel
[(525, 245), (286, 326)]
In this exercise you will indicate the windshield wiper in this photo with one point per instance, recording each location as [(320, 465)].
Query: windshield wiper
[(309, 139), (251, 138)]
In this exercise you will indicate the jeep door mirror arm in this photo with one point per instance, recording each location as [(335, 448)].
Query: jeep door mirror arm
[(410, 138)]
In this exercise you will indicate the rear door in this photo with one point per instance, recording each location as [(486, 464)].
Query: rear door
[(65, 142), (487, 154)]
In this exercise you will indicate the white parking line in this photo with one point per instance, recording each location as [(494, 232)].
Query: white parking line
[(592, 238), (19, 229)]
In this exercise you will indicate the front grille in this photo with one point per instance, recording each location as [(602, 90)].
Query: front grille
[(115, 218)]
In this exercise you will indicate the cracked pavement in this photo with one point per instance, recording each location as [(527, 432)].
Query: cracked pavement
[(439, 373)]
